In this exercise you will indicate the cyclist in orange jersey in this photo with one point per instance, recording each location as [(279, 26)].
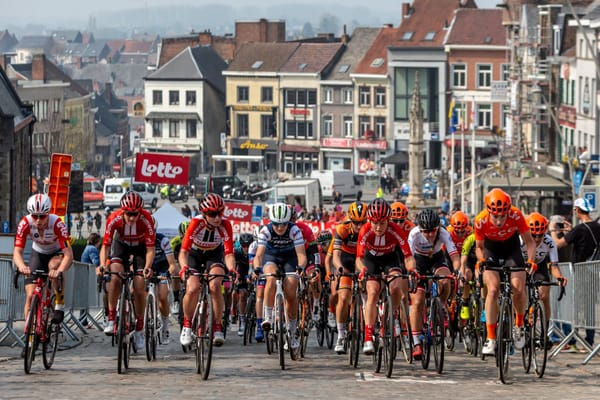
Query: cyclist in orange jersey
[(459, 230), (497, 230), (325, 241), (400, 216)]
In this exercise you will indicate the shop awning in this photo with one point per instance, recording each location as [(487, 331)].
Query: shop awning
[(299, 149), (544, 183), (173, 115), (401, 157)]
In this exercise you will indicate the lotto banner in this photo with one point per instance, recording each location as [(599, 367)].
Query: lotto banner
[(162, 168)]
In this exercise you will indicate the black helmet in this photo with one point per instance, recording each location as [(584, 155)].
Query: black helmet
[(246, 239), (428, 219)]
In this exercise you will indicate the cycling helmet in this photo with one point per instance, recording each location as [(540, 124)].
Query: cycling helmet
[(357, 211), (39, 204), (428, 219), (399, 210), (497, 202), (538, 224), (132, 201), (183, 227), (211, 202), (245, 239), (459, 221), (324, 237), (379, 210), (280, 213)]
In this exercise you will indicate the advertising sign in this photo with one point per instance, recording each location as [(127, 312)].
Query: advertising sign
[(162, 168)]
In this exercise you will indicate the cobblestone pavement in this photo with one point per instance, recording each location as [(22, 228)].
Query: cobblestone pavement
[(89, 370)]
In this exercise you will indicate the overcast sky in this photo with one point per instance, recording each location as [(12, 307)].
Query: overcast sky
[(44, 11)]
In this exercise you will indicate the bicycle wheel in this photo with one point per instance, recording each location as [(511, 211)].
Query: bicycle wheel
[(438, 334), (204, 336), (50, 344), (426, 337), (320, 327), (504, 339), (450, 332), (31, 339), (389, 342), (473, 325), (354, 331), (377, 340), (150, 328), (122, 335), (539, 339), (405, 339), (250, 319), (303, 325), (527, 351), (280, 326)]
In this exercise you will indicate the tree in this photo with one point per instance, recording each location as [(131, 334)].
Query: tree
[(329, 23), (307, 30)]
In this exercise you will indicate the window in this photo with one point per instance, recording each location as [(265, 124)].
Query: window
[(344, 68), (40, 109), (364, 125), (243, 94), (266, 94), (347, 120), (347, 93), (190, 97), (300, 97), (505, 115), (484, 76), (173, 128), (380, 127), (429, 36), (327, 125), (157, 97), (459, 75), (328, 95), (484, 116), (404, 83), (364, 94), (156, 128), (505, 72), (299, 129), (190, 129), (380, 97), (267, 128), (242, 125), (174, 97), (56, 105), (407, 35), (378, 62)]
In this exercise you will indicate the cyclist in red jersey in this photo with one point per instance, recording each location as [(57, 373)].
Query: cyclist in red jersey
[(376, 254), (459, 230), (129, 233), (207, 247), (50, 252), (497, 230)]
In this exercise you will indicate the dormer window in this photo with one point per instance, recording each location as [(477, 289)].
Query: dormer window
[(407, 35), (378, 62), (429, 36), (344, 68), (257, 64), (302, 66)]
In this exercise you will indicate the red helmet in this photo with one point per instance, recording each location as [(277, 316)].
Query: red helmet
[(459, 221), (131, 201), (538, 224), (379, 210), (211, 202), (399, 210), (497, 202)]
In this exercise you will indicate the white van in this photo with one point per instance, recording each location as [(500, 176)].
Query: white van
[(342, 180), (115, 187)]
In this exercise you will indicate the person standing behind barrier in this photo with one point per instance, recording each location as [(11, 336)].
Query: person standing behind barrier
[(581, 237), (50, 252), (91, 256)]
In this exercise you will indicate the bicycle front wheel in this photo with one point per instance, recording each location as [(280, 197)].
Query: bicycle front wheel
[(389, 343), (303, 325), (438, 334), (280, 326), (150, 328), (504, 339), (122, 335), (354, 331), (31, 339), (526, 351), (539, 339), (405, 338), (50, 344), (204, 336), (250, 319)]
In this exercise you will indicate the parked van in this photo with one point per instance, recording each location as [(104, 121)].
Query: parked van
[(115, 187), (93, 193), (307, 191), (343, 181)]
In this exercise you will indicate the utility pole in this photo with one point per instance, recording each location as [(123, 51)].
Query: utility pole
[(415, 148)]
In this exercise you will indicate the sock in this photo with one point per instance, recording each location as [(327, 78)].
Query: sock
[(259, 324), (416, 337), (187, 323), (491, 331), (268, 311), (60, 298), (112, 315), (176, 295), (519, 320), (368, 333), (59, 307), (139, 324), (341, 327), (165, 322), (292, 326)]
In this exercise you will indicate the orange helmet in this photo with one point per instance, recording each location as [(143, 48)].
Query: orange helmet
[(538, 224), (497, 202), (399, 210), (357, 211), (459, 221)]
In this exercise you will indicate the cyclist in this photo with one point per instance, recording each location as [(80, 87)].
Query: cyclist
[(325, 241), (376, 254), (260, 285), (344, 261), (129, 232), (400, 216), (207, 247), (51, 251), (459, 230), (175, 280), (546, 254), (427, 241), (164, 266), (242, 266), (281, 246), (497, 230)]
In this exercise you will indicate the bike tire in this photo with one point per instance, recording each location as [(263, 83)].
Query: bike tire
[(50, 346), (280, 324), (250, 319), (149, 328), (438, 334), (302, 326), (122, 335), (31, 338), (405, 338), (426, 339), (321, 326), (504, 339), (527, 350), (355, 331), (451, 332), (389, 342), (377, 338), (204, 337), (539, 339)]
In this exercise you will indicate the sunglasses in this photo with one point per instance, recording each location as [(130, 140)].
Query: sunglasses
[(213, 214), (428, 230), (357, 222), (132, 213), (39, 216), (279, 224)]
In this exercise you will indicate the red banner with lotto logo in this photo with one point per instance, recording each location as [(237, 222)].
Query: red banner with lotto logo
[(162, 168)]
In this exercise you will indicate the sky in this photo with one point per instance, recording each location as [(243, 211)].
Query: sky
[(41, 11)]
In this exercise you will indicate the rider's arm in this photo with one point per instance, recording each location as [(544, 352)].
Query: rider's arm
[(230, 262), (410, 263), (258, 257), (66, 260), (301, 253), (337, 259), (150, 252), (19, 261), (530, 243)]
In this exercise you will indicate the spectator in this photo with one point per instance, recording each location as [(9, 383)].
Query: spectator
[(379, 193), (98, 221), (90, 222), (584, 157), (445, 206)]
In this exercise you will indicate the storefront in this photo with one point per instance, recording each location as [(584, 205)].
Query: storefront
[(256, 147), (299, 160), (368, 154), (336, 154)]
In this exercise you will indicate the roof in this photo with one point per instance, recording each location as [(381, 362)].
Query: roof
[(136, 47), (262, 57), (374, 61), (10, 103), (35, 42), (477, 27), (545, 183), (69, 36), (130, 75), (313, 58), (360, 42), (7, 41)]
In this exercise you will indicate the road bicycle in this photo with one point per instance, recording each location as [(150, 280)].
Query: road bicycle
[(473, 329), (535, 351), (305, 307), (38, 329), (250, 313), (152, 319), (125, 321), (355, 324), (325, 333)]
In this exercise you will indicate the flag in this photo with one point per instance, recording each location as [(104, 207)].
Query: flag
[(452, 116), (472, 117)]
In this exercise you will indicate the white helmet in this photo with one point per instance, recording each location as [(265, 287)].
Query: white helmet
[(280, 213), (39, 204)]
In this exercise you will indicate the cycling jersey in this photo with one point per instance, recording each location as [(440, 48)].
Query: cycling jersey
[(468, 245), (370, 243), (545, 250), (423, 247), (176, 246), (345, 237), (162, 248), (276, 244), (485, 229), (459, 241), (46, 241), (202, 237), (252, 251), (141, 232)]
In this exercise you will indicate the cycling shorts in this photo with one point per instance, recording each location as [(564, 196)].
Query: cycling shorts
[(39, 262)]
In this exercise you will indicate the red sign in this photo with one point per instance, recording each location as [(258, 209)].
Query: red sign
[(116, 167), (162, 168), (370, 144), (336, 142)]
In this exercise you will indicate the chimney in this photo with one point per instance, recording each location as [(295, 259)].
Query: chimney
[(38, 68), (345, 38), (108, 92), (405, 9)]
